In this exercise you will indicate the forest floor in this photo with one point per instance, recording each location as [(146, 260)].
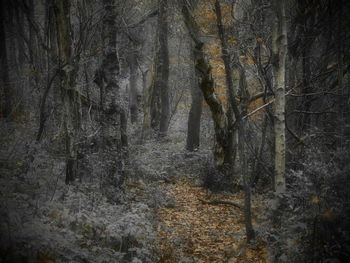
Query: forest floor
[(207, 233), (188, 228), (162, 217)]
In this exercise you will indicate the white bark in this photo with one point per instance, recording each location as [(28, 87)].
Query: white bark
[(279, 53)]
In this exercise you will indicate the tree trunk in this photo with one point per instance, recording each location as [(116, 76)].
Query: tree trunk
[(114, 139), (340, 69), (147, 83), (133, 103), (110, 90), (242, 142), (246, 184), (163, 68), (154, 102), (6, 96), (194, 117), (279, 54), (306, 101), (231, 89), (68, 87), (207, 86), (20, 37)]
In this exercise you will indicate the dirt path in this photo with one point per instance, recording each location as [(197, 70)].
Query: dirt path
[(190, 231), (196, 232)]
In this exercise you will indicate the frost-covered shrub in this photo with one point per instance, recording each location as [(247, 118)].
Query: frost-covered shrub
[(311, 223), (42, 219)]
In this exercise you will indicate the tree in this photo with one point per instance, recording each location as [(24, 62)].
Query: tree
[(162, 76), (114, 119), (279, 55), (203, 68), (194, 117), (232, 111), (133, 94), (6, 98), (68, 87)]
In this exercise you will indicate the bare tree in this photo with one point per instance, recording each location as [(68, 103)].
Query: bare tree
[(133, 94), (68, 87), (6, 96), (203, 68), (194, 117), (114, 121), (162, 84), (279, 55)]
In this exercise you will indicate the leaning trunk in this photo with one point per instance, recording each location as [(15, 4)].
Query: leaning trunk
[(203, 68)]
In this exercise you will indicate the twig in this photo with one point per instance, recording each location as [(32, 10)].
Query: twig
[(263, 106), (220, 202), (256, 110)]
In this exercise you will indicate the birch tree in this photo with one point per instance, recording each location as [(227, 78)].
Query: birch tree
[(279, 55)]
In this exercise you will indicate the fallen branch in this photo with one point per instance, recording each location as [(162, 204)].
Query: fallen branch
[(220, 202)]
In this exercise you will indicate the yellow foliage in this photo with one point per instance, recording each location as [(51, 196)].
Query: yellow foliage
[(315, 199), (249, 60), (32, 69), (328, 213)]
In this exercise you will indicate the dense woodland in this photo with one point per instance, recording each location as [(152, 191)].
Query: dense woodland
[(175, 131)]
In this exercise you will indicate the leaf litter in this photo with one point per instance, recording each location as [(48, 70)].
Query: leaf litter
[(193, 231)]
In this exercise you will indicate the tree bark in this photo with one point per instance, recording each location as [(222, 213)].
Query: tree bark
[(147, 83), (246, 184), (107, 79), (340, 69), (306, 88), (154, 102), (194, 117), (133, 103), (6, 96), (207, 86), (279, 55), (163, 68), (231, 89), (68, 87), (242, 142)]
